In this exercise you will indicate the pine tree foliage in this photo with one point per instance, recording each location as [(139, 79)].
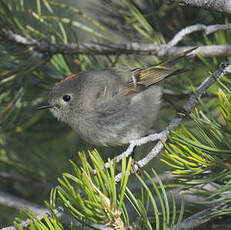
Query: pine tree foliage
[(98, 198), (32, 144), (209, 144), (201, 156)]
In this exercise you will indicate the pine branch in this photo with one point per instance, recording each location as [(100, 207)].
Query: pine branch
[(170, 49), (224, 68), (11, 201)]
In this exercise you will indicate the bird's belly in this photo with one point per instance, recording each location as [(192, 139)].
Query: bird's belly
[(113, 133), (121, 120)]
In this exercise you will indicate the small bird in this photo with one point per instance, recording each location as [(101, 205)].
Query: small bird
[(112, 106)]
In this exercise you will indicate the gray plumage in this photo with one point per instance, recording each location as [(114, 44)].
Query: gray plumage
[(101, 112), (112, 106)]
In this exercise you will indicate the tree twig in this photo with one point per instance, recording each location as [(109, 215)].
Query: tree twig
[(17, 203), (223, 6), (195, 28)]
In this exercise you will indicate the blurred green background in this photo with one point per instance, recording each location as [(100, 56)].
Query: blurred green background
[(34, 147)]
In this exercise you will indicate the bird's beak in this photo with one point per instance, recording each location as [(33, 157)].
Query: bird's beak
[(45, 107)]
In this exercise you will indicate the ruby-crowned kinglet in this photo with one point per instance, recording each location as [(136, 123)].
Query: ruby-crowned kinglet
[(112, 106)]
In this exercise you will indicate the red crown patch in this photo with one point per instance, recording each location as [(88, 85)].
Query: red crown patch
[(68, 77)]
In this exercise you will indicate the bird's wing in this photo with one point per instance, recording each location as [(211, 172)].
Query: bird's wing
[(142, 78)]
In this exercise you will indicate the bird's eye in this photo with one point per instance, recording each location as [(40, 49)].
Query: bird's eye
[(66, 98)]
